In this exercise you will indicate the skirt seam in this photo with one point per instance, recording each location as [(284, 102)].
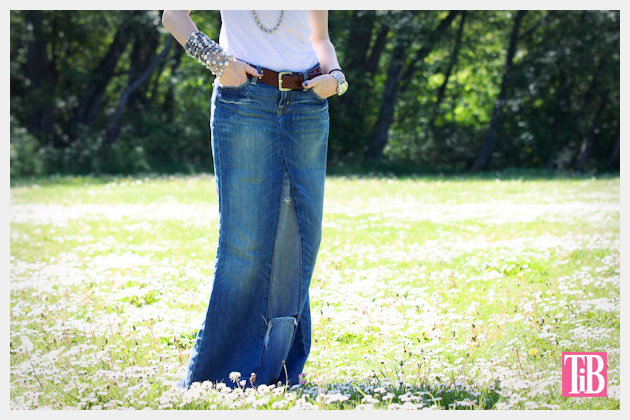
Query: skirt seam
[(275, 234)]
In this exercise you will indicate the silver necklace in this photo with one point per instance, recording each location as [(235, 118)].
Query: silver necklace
[(260, 25)]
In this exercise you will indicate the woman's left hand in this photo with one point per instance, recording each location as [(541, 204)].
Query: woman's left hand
[(324, 85)]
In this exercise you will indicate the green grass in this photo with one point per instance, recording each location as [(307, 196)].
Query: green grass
[(435, 291)]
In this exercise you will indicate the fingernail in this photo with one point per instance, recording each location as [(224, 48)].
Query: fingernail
[(305, 83)]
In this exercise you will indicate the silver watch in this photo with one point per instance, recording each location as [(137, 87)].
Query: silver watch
[(342, 84)]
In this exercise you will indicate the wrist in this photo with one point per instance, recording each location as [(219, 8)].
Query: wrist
[(207, 52), (337, 71), (342, 84)]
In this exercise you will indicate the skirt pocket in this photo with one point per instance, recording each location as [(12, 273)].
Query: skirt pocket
[(316, 96), (242, 85)]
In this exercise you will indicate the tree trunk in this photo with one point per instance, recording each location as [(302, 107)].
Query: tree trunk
[(586, 106), (363, 63), (168, 106), (395, 74), (147, 44), (90, 101), (360, 36), (41, 89), (565, 86), (386, 115), (434, 37), (132, 85), (447, 75), (614, 155), (587, 144), (371, 62), (156, 83), (488, 142)]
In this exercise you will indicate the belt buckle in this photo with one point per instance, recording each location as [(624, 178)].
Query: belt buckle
[(282, 73)]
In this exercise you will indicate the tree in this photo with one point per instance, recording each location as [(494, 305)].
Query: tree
[(132, 85), (91, 99), (447, 74), (99, 91), (488, 143), (398, 72), (38, 70)]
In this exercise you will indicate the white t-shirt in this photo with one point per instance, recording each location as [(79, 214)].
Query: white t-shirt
[(287, 48)]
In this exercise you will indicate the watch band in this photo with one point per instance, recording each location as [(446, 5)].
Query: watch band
[(344, 74)]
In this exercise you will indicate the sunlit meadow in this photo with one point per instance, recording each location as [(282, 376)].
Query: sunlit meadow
[(435, 292)]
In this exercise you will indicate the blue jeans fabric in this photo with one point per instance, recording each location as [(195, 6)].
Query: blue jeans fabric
[(269, 149)]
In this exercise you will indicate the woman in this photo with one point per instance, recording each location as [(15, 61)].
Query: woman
[(269, 132)]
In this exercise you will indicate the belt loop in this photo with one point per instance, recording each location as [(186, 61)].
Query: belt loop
[(255, 78), (305, 73)]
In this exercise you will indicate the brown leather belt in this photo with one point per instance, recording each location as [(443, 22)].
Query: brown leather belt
[(287, 80)]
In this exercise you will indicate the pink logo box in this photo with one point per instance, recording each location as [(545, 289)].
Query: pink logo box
[(584, 374)]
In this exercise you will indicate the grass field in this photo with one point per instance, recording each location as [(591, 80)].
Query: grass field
[(435, 292)]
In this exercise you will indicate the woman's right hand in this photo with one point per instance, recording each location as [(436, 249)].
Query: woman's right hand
[(235, 73)]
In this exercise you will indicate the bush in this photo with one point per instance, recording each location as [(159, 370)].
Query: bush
[(26, 156), (83, 156), (128, 158)]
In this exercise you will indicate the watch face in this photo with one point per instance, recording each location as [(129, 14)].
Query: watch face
[(343, 84)]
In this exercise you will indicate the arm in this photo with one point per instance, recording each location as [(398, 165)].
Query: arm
[(318, 19), (326, 85), (180, 25)]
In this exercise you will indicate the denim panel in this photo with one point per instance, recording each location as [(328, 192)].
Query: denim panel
[(287, 258), (300, 348), (276, 348), (269, 149)]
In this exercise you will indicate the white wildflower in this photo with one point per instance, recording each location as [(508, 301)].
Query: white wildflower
[(26, 344)]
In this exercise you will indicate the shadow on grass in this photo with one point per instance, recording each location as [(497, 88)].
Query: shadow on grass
[(383, 393), (375, 170), (412, 171)]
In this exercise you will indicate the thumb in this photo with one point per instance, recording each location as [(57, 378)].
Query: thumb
[(251, 70), (311, 83)]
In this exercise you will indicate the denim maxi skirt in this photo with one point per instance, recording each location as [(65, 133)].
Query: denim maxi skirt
[(269, 149)]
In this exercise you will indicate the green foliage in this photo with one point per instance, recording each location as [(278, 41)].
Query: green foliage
[(566, 66), (25, 154)]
